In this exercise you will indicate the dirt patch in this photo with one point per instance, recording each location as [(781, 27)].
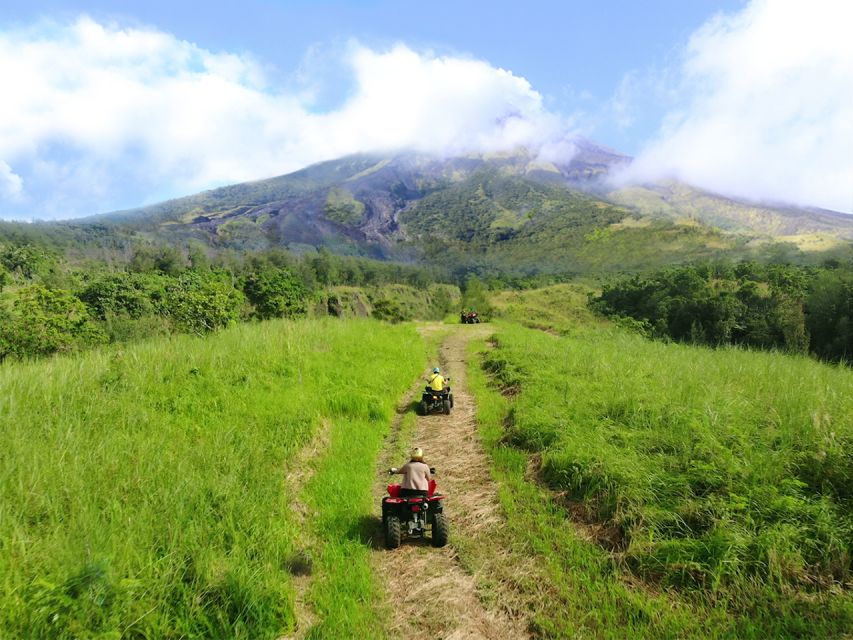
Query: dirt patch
[(430, 592)]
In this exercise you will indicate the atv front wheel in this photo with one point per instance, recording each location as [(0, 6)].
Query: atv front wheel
[(440, 530), (393, 532), (446, 407)]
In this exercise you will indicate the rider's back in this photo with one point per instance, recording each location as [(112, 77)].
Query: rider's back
[(415, 475), (436, 382)]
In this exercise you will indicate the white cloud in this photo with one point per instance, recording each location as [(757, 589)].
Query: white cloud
[(11, 184), (767, 108), (96, 116)]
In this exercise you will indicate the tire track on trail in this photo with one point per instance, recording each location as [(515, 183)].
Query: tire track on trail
[(430, 593), (298, 474)]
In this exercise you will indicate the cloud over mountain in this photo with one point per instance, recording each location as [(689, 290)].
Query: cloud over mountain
[(764, 106), (91, 111)]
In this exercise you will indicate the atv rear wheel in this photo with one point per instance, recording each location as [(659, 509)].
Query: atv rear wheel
[(446, 404), (440, 530), (422, 408), (393, 532)]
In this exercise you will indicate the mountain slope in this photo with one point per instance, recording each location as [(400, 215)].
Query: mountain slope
[(510, 209)]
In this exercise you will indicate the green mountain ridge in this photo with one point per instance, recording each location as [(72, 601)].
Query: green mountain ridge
[(513, 210)]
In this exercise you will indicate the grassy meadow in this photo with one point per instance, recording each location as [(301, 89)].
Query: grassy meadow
[(710, 489), (559, 308), (143, 489)]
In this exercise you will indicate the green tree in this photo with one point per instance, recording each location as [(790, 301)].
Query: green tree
[(124, 294), (200, 302), (45, 321), (275, 293), (829, 315), (475, 297), (325, 267), (164, 259), (27, 260)]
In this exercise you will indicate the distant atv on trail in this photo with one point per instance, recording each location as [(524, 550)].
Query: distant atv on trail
[(469, 317), (414, 516), (433, 400)]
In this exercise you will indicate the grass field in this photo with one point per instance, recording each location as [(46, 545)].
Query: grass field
[(709, 490), (559, 309), (220, 487), (143, 492)]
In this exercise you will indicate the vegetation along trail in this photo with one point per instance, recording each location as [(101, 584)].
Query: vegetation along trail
[(433, 591)]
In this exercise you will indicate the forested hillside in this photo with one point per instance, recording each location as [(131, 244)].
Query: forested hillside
[(509, 214)]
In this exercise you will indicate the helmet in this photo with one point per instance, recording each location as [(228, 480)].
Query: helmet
[(436, 370), (418, 454)]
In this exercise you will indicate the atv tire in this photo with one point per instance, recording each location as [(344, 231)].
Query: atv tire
[(451, 400), (446, 404), (440, 530), (393, 532), (422, 408)]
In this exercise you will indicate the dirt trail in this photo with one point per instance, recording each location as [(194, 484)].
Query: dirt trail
[(430, 592), (298, 473)]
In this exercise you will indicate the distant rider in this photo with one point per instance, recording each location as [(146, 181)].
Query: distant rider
[(436, 380), (416, 475)]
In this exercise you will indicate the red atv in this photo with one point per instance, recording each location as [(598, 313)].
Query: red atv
[(414, 517), (469, 317)]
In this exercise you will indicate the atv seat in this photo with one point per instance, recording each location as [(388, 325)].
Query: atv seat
[(394, 489), (443, 392)]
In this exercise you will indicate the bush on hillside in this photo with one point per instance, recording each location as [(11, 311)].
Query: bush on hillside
[(784, 307), (124, 294), (389, 310), (276, 293), (44, 321), (27, 261), (476, 298), (201, 302)]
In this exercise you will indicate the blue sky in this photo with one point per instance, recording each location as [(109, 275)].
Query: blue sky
[(575, 53), (122, 104)]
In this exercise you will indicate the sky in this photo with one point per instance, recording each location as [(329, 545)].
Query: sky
[(105, 106)]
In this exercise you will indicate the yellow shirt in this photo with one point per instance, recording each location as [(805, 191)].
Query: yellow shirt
[(436, 382)]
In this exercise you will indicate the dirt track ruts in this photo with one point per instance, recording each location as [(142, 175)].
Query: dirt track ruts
[(429, 591)]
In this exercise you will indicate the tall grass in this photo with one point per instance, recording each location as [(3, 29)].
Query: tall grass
[(725, 475), (141, 489), (559, 308)]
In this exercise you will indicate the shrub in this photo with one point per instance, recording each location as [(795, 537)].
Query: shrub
[(389, 310), (27, 260), (45, 321), (275, 293), (124, 294), (201, 302)]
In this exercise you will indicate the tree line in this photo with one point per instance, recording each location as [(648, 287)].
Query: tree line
[(799, 309), (51, 304)]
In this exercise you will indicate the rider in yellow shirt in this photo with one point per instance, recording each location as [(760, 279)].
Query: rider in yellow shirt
[(436, 380)]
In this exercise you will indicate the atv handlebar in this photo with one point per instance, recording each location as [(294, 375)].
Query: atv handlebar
[(394, 470)]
